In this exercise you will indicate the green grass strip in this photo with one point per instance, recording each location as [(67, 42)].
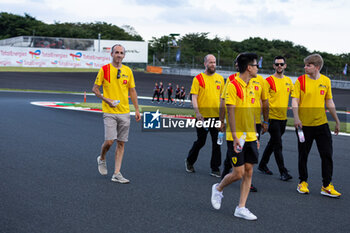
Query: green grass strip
[(344, 126)]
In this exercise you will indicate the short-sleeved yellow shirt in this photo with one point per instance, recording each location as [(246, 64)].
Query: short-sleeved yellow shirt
[(279, 90), (312, 95), (114, 88), (243, 97), (209, 89), (260, 88)]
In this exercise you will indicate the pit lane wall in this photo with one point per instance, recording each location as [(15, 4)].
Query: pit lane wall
[(193, 72)]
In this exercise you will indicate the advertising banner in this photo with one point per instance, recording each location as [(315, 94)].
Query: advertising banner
[(43, 57)]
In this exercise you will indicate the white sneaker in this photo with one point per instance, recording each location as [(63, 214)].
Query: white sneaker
[(102, 166), (119, 178), (244, 213), (216, 197)]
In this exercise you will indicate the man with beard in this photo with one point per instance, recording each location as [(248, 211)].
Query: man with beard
[(279, 88), (206, 90)]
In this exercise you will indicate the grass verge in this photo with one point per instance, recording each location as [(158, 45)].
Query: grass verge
[(344, 126)]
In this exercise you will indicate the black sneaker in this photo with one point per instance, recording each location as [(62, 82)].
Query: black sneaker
[(189, 167), (265, 170), (285, 176), (215, 173), (253, 189)]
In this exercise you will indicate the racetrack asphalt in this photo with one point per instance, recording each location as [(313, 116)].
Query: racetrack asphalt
[(50, 182)]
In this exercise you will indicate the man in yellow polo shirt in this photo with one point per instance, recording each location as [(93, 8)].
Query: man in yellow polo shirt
[(206, 91), (312, 92), (117, 80), (279, 87), (240, 97), (260, 105)]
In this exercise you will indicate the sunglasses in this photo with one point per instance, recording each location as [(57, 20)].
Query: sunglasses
[(254, 65), (118, 74), (279, 64)]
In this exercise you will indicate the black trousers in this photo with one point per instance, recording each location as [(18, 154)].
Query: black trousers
[(230, 151), (155, 93), (161, 94), (169, 97), (322, 135), (276, 130), (202, 133)]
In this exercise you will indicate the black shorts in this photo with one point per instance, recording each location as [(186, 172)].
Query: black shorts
[(249, 154)]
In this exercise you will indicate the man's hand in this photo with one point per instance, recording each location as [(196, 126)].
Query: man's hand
[(222, 127), (337, 128), (199, 117), (265, 127), (109, 102), (137, 116), (236, 144), (298, 124)]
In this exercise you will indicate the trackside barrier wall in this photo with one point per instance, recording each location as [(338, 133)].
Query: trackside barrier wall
[(193, 72)]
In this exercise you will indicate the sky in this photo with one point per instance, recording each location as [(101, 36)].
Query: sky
[(318, 25)]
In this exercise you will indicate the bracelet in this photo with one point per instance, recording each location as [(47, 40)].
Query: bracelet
[(266, 122)]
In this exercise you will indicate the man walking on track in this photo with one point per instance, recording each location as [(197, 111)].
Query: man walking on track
[(279, 88), (117, 81), (206, 90), (312, 92), (240, 97)]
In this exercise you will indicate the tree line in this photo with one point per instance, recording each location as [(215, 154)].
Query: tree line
[(194, 46), (190, 48), (15, 25)]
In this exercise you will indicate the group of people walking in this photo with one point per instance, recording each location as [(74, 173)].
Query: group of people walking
[(180, 94), (238, 106)]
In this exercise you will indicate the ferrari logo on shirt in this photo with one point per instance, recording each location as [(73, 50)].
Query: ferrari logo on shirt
[(234, 160), (257, 88), (322, 92), (218, 87), (288, 89), (125, 81), (253, 100)]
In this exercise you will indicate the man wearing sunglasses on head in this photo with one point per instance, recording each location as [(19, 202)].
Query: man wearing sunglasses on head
[(279, 88), (117, 81)]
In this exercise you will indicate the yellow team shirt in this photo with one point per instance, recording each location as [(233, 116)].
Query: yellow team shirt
[(209, 89), (116, 89), (242, 96), (312, 95), (260, 88), (279, 90)]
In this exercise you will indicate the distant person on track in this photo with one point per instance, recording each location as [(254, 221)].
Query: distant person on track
[(170, 92), (177, 94), (240, 96), (117, 81), (161, 91), (206, 90), (279, 87), (155, 92), (182, 96), (312, 92)]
